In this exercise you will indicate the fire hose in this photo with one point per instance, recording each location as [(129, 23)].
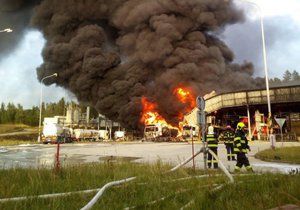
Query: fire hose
[(115, 183), (100, 193)]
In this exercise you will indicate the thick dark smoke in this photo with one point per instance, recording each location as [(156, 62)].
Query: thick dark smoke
[(110, 53), (14, 14)]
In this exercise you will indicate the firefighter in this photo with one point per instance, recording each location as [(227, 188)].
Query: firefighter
[(212, 144), (241, 148), (228, 137)]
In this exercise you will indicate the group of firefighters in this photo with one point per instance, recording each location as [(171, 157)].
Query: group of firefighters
[(236, 145)]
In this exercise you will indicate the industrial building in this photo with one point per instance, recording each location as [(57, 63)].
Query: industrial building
[(80, 126), (251, 106), (228, 108)]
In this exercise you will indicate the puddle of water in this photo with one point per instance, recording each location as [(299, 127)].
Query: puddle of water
[(280, 167), (26, 145), (28, 157), (118, 158), (3, 150)]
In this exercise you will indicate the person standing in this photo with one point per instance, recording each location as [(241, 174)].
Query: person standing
[(228, 137), (212, 144), (241, 148)]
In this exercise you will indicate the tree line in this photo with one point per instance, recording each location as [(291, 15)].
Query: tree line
[(289, 78), (16, 114)]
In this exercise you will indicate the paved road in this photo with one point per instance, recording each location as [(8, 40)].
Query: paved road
[(174, 153)]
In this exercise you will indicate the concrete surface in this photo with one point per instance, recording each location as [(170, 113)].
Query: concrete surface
[(173, 153)]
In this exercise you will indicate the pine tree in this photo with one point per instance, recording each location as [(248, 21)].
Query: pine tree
[(2, 113), (287, 76), (61, 106), (11, 112), (277, 80), (295, 76), (20, 115)]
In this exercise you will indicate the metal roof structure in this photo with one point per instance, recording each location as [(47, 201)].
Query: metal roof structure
[(289, 94)]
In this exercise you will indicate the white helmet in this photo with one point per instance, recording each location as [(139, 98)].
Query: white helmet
[(210, 130)]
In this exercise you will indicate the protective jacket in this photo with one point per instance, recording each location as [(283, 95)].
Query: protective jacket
[(228, 137), (212, 141), (240, 142)]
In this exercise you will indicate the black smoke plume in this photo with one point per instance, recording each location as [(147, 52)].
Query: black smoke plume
[(14, 14), (110, 53)]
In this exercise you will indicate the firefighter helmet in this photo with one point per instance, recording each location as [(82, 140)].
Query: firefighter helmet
[(210, 130), (241, 125)]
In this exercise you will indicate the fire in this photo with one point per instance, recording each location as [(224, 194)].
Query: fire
[(150, 116), (186, 97)]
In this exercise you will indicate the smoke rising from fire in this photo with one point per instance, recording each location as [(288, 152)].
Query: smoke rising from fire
[(14, 14), (112, 53)]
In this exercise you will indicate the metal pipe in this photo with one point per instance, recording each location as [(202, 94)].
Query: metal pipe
[(193, 150), (57, 161), (264, 54), (249, 122)]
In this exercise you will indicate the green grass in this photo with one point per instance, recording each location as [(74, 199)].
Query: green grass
[(284, 155), (18, 139), (10, 128), (254, 192)]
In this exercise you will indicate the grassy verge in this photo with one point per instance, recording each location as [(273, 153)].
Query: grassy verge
[(284, 155), (10, 128), (18, 139), (254, 192)]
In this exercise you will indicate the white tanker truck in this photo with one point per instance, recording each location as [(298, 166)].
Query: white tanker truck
[(91, 135), (159, 132)]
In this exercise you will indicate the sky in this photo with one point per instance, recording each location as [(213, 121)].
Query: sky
[(19, 82), (282, 29), (18, 77)]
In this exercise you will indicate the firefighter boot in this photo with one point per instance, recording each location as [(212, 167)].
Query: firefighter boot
[(250, 169), (237, 169)]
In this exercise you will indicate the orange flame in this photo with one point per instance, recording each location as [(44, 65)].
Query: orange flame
[(186, 97), (150, 115)]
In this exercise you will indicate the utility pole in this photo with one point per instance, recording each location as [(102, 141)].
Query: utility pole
[(41, 104), (202, 123)]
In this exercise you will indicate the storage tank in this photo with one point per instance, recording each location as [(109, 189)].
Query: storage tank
[(76, 115)]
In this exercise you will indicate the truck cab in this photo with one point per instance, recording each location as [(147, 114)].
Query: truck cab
[(152, 131)]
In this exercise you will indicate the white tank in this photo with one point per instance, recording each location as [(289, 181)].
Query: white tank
[(76, 115), (119, 134), (86, 134), (52, 130), (69, 117)]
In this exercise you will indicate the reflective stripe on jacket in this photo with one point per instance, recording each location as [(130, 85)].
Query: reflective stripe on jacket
[(240, 142), (212, 141), (228, 137)]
